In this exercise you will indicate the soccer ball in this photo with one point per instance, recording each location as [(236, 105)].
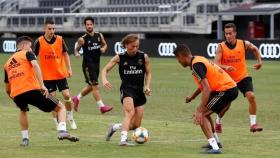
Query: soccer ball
[(140, 135)]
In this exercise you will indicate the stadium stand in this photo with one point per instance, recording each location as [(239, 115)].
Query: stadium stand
[(115, 15)]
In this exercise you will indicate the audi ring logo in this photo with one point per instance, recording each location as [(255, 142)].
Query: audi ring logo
[(211, 49), (269, 50), (166, 49), (118, 48), (9, 46)]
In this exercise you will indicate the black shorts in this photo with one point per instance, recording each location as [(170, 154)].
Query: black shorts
[(52, 85), (245, 85), (138, 96), (91, 73), (36, 98), (219, 100)]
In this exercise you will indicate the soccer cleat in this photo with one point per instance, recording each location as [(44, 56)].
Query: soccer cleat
[(76, 102), (25, 142), (110, 132), (256, 128), (66, 135), (208, 146), (125, 143), (105, 109), (218, 128), (72, 124), (212, 151)]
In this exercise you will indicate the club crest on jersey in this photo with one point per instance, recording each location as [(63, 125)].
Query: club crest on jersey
[(88, 42), (125, 63)]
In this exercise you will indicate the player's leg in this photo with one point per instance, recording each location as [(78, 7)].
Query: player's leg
[(64, 89), (48, 104), (69, 109), (137, 118), (129, 111), (207, 130), (139, 102), (23, 120), (76, 99), (246, 87), (94, 73)]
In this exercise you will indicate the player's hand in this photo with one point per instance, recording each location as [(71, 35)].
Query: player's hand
[(258, 66), (107, 85), (188, 99), (197, 118), (77, 55), (70, 73), (103, 50), (147, 91), (45, 91), (230, 68)]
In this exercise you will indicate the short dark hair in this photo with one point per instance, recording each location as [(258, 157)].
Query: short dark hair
[(24, 38), (88, 18), (182, 49), (230, 25), (49, 21)]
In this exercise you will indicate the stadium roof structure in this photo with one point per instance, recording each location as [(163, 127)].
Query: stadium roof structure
[(250, 10)]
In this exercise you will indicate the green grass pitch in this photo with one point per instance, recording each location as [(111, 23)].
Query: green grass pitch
[(167, 117)]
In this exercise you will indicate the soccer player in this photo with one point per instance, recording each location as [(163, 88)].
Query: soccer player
[(55, 65), (24, 84), (135, 74), (93, 44), (217, 88), (230, 56)]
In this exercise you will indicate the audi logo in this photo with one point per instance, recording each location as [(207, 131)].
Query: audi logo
[(211, 49), (9, 46), (118, 48), (269, 50), (166, 49)]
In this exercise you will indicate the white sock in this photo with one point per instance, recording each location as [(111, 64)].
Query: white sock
[(24, 134), (79, 96), (61, 126), (117, 126), (70, 115), (55, 121), (216, 137), (100, 103), (213, 143), (253, 119), (123, 136), (218, 120)]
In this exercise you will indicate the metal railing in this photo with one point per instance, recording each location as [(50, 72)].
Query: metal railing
[(105, 22)]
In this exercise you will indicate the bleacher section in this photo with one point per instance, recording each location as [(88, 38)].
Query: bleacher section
[(121, 15), (47, 6)]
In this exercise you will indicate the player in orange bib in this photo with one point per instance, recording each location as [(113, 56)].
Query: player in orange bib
[(24, 84), (55, 64), (218, 91), (230, 56)]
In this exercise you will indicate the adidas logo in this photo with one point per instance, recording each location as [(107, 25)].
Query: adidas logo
[(13, 64)]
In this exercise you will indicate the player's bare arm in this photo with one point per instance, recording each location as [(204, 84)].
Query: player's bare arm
[(106, 70), (38, 73), (218, 60), (103, 44), (252, 48), (68, 64), (148, 76), (193, 96), (202, 109), (79, 45)]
